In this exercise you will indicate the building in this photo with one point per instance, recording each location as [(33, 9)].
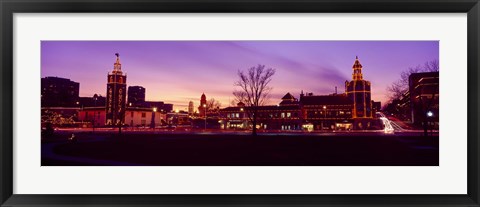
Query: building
[(136, 95), (403, 107), (59, 92), (202, 108), (376, 106), (152, 104), (350, 110), (191, 108), (160, 105), (138, 112), (134, 117), (284, 116), (358, 91), (94, 101), (326, 112), (424, 97), (167, 107), (116, 95), (136, 98), (178, 118)]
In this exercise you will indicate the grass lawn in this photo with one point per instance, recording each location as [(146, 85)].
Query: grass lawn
[(244, 150)]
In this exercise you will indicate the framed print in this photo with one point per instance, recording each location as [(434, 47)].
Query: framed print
[(239, 103)]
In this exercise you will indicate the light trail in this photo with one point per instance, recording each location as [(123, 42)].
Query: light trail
[(389, 129)]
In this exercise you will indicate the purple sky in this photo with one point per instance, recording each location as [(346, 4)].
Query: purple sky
[(179, 71)]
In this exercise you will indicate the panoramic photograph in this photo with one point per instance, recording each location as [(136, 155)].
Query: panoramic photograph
[(240, 103)]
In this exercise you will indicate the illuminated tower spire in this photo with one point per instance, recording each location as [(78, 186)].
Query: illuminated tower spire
[(357, 70), (117, 66), (359, 91), (116, 93)]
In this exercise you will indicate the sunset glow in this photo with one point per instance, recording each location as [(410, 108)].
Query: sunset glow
[(180, 71)]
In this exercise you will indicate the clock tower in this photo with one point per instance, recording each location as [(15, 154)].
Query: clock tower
[(359, 91), (116, 95)]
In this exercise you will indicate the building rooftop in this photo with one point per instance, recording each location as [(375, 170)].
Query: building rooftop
[(326, 100), (288, 96), (263, 108)]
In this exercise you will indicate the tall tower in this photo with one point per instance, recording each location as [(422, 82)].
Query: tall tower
[(203, 102), (359, 91), (190, 108), (116, 94)]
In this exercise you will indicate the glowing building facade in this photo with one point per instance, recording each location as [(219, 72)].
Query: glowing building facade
[(359, 92), (116, 95), (345, 111)]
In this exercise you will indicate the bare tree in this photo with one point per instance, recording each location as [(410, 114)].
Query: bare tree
[(254, 90), (400, 87), (431, 66), (213, 105)]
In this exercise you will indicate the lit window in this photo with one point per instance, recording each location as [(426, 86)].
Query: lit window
[(283, 115), (237, 115), (289, 114), (341, 112)]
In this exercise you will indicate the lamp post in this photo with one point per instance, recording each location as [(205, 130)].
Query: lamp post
[(205, 109), (243, 123), (429, 117), (152, 125), (325, 114)]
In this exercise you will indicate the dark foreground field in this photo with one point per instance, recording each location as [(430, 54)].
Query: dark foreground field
[(241, 150)]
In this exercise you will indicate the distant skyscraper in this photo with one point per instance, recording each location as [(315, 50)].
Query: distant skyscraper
[(359, 91), (59, 92), (116, 94), (203, 103), (136, 95), (190, 108)]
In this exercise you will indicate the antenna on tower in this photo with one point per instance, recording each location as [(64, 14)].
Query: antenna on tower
[(335, 89)]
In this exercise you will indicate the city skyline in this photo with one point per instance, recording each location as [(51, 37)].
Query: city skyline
[(180, 71)]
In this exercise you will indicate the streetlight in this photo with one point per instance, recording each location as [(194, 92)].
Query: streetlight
[(153, 118), (205, 109), (243, 122), (429, 116), (325, 112)]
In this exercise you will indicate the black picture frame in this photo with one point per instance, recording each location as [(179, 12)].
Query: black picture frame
[(10, 7)]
